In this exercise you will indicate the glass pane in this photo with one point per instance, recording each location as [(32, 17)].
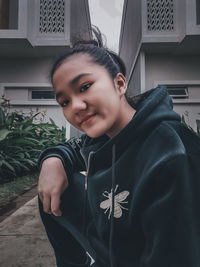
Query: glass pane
[(198, 11), (9, 14), (43, 95), (178, 92)]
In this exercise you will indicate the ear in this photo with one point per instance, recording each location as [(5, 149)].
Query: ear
[(120, 84)]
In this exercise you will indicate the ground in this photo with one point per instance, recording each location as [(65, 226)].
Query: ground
[(23, 239)]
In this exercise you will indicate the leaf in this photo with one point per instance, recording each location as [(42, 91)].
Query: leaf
[(4, 133), (20, 155), (32, 163), (35, 150), (22, 165), (52, 121), (32, 139), (22, 132), (2, 117), (15, 148), (8, 165)]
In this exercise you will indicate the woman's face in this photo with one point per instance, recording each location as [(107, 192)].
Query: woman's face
[(91, 100)]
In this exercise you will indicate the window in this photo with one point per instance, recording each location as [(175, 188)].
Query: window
[(42, 94), (198, 11), (178, 92), (9, 14)]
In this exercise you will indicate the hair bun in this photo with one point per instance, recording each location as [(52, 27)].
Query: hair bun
[(97, 38), (86, 42)]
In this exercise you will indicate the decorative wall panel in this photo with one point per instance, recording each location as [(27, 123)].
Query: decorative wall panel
[(52, 16), (160, 15)]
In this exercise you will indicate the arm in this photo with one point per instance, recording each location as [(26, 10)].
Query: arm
[(56, 165), (171, 221), (68, 153)]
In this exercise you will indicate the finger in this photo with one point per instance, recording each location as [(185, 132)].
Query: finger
[(55, 205), (47, 204), (40, 194), (40, 197)]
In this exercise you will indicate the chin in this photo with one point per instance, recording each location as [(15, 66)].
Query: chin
[(94, 134)]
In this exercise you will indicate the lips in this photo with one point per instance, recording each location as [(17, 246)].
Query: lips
[(87, 118)]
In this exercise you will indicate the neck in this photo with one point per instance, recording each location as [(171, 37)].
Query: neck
[(125, 115)]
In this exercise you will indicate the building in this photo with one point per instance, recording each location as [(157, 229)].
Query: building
[(32, 34), (160, 44)]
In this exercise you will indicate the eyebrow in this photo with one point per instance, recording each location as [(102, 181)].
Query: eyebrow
[(73, 82)]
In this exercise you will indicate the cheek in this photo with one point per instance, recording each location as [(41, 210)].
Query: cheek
[(67, 115), (110, 105), (105, 101)]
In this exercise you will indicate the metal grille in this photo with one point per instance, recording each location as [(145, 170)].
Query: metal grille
[(178, 92), (160, 15), (52, 16)]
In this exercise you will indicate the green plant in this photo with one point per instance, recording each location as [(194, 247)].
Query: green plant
[(17, 185), (189, 127), (198, 127), (21, 141)]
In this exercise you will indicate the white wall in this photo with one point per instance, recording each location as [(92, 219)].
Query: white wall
[(29, 71), (175, 69), (171, 67), (24, 70)]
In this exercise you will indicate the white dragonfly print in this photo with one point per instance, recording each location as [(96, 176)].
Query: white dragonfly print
[(119, 199)]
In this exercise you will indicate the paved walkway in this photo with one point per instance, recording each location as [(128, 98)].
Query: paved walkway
[(23, 241)]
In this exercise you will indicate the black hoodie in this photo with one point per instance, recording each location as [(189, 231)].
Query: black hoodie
[(143, 187)]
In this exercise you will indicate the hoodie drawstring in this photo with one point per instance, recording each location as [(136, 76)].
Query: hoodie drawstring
[(85, 211), (112, 207), (85, 205)]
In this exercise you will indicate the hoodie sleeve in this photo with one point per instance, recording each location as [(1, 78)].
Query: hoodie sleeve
[(68, 152), (171, 221)]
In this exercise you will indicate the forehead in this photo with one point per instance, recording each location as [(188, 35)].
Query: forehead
[(75, 65)]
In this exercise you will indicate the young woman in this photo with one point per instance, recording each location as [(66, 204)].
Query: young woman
[(138, 204)]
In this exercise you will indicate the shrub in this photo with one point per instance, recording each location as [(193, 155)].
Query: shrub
[(198, 127), (188, 126), (21, 141)]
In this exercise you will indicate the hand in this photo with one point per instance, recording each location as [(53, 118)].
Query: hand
[(51, 184)]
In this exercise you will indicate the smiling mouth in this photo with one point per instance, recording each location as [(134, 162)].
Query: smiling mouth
[(88, 119)]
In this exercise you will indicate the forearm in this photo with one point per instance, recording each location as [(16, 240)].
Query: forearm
[(68, 153)]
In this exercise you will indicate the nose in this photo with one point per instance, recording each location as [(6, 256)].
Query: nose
[(78, 104)]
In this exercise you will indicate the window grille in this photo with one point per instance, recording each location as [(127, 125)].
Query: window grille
[(178, 92), (160, 15), (39, 94), (52, 16)]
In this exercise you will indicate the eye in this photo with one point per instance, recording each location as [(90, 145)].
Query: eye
[(64, 103), (85, 87)]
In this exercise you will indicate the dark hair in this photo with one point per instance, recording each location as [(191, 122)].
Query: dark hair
[(99, 54)]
